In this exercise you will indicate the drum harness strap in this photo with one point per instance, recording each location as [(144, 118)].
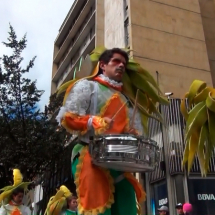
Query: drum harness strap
[(119, 178)]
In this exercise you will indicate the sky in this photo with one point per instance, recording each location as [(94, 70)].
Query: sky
[(40, 20)]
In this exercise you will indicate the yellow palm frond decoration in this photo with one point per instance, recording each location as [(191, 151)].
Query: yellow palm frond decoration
[(18, 183), (66, 191), (58, 202), (200, 124), (17, 177)]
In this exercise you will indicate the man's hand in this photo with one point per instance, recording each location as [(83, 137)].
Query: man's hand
[(108, 121), (132, 131)]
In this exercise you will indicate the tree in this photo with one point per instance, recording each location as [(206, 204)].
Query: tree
[(29, 140)]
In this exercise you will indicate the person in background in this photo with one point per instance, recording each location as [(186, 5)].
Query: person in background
[(62, 203), (15, 206), (71, 205), (187, 209), (179, 208), (163, 210), (12, 197)]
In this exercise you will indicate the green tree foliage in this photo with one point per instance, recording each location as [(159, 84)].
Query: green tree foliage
[(29, 138)]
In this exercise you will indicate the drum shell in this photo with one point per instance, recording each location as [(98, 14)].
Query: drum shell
[(126, 153)]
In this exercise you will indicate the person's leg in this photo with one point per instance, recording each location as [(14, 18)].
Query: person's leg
[(74, 165), (124, 197)]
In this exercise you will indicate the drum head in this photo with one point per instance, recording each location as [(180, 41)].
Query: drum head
[(124, 152)]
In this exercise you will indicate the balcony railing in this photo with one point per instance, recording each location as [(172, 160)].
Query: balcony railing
[(74, 49), (83, 51), (82, 19), (88, 48), (84, 2)]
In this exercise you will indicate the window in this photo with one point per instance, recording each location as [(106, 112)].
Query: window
[(126, 31), (71, 43), (125, 8), (73, 22), (92, 32)]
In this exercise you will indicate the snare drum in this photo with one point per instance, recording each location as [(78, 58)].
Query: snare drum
[(126, 153)]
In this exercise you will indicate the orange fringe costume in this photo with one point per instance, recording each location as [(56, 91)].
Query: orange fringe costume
[(95, 185)]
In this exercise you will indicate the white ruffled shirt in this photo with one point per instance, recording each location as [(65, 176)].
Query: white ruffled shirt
[(85, 97), (8, 209)]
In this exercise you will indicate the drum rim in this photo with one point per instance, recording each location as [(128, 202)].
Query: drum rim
[(138, 137), (116, 135)]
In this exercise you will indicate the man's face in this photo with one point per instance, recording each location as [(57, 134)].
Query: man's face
[(73, 205), (115, 68), (18, 198), (162, 212), (180, 211)]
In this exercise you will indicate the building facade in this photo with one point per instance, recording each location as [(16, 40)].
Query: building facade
[(170, 183), (81, 30), (175, 41)]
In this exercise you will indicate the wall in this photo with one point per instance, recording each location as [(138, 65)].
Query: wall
[(207, 8), (114, 23), (168, 37), (99, 26)]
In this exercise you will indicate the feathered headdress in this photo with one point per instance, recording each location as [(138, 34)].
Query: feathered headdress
[(18, 183), (135, 78), (58, 202)]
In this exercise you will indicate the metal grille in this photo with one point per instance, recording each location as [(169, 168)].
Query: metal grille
[(155, 133), (58, 173), (174, 125), (174, 131)]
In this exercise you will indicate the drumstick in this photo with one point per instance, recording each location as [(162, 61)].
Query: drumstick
[(135, 109), (119, 110)]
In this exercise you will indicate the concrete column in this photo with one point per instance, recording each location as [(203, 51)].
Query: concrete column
[(148, 194), (141, 181), (114, 23), (169, 179), (99, 25), (186, 193)]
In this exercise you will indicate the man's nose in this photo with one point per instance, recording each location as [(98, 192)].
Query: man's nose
[(121, 65)]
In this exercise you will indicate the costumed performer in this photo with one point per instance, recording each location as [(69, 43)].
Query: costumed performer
[(63, 203), (12, 196), (90, 102)]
